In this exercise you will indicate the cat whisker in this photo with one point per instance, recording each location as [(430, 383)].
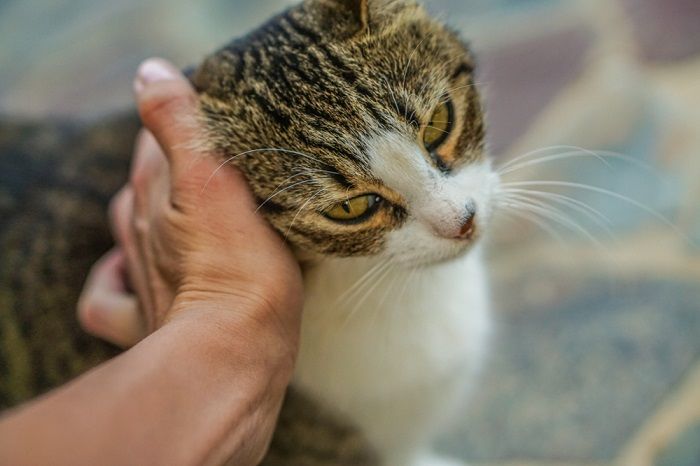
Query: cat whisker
[(594, 215), (404, 279), (553, 214), (394, 279), (515, 211), (532, 153), (255, 151), (278, 192), (473, 84), (408, 63), (390, 287), (388, 267), (351, 291), (591, 188), (606, 192), (393, 96), (303, 171), (300, 173), (427, 84), (599, 155), (370, 280), (413, 271), (389, 319), (437, 129), (435, 77), (303, 206), (566, 155)]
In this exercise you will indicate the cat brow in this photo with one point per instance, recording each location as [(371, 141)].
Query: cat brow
[(463, 68), (338, 177)]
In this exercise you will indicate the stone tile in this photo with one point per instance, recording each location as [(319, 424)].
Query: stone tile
[(685, 451), (78, 57), (521, 78), (666, 30), (573, 379), (664, 434)]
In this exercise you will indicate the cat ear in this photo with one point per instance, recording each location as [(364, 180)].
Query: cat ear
[(359, 10), (371, 14)]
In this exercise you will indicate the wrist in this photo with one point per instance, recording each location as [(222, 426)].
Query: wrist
[(235, 366), (199, 382), (243, 330)]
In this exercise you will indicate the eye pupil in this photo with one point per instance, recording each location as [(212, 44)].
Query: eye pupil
[(439, 126), (355, 209)]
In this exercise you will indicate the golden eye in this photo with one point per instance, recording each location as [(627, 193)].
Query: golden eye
[(439, 126), (355, 209)]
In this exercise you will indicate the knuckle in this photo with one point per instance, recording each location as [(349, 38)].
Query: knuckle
[(89, 316), (139, 178), (118, 203), (120, 213), (141, 226)]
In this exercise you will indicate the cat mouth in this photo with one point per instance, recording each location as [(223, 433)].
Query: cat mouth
[(449, 250)]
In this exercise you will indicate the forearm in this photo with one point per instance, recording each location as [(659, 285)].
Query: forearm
[(191, 393)]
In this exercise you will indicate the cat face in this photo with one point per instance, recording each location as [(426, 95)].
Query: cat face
[(359, 128)]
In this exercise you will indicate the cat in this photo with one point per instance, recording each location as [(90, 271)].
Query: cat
[(360, 130)]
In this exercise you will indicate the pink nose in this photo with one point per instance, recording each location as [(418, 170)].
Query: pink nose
[(466, 231)]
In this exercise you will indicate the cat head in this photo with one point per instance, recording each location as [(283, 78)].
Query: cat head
[(359, 128)]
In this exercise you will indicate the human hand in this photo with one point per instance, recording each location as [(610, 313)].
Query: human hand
[(188, 236), (217, 288)]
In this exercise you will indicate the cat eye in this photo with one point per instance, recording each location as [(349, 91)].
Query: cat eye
[(439, 126), (355, 209)]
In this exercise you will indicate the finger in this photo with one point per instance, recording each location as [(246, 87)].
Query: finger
[(168, 108), (105, 309), (121, 212), (150, 178), (149, 162), (122, 219)]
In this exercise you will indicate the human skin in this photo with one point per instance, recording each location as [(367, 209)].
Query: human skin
[(217, 312)]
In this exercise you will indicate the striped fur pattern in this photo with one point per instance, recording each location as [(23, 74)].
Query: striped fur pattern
[(315, 107), (55, 184), (313, 86)]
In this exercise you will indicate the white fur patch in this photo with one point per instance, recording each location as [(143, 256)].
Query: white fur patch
[(399, 356), (437, 203)]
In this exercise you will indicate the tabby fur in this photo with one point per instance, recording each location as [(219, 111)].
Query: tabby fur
[(293, 104)]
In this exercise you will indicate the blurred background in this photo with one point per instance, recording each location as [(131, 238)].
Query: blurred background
[(596, 358)]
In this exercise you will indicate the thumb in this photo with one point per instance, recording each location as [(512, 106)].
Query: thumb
[(168, 107)]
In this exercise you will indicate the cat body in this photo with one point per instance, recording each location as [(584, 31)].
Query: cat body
[(360, 131), (56, 181)]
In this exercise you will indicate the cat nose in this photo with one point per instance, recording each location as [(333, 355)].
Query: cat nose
[(468, 227)]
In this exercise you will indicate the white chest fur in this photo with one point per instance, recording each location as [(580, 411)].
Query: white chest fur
[(397, 355)]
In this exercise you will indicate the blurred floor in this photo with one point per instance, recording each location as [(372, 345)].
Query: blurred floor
[(597, 356)]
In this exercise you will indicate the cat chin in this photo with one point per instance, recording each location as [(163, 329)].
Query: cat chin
[(449, 251), (435, 257)]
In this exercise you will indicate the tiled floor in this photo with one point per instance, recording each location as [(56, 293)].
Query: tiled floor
[(597, 356)]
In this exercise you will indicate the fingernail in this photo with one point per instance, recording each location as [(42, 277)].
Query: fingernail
[(153, 70)]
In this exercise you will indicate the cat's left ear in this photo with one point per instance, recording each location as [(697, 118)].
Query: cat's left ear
[(359, 12), (369, 14)]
